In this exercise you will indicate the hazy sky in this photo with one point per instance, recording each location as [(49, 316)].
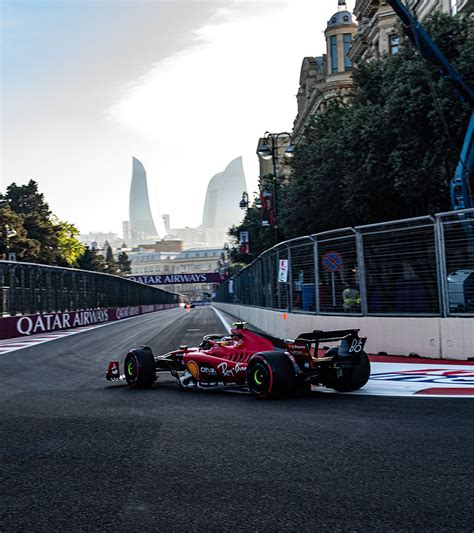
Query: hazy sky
[(183, 85)]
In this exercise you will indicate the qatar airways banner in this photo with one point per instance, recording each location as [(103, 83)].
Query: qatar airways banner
[(19, 326), (172, 279)]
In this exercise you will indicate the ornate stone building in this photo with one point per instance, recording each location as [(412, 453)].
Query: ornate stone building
[(378, 24), (191, 261), (328, 76)]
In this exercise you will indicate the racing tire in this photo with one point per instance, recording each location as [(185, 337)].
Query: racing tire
[(352, 378), (270, 375), (140, 372)]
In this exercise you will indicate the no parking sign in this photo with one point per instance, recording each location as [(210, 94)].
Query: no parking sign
[(332, 261)]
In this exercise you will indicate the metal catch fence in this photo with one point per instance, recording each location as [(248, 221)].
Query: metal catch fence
[(421, 266), (28, 288)]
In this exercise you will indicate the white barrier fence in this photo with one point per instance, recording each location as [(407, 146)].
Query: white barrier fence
[(433, 337)]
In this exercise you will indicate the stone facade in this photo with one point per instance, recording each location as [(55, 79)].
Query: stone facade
[(379, 25), (192, 261), (328, 76)]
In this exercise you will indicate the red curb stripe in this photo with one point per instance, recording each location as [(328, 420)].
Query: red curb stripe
[(447, 391)]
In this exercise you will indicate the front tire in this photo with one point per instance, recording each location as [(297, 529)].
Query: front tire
[(270, 375), (140, 371)]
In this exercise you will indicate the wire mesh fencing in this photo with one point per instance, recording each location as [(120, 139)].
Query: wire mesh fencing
[(422, 266), (27, 288)]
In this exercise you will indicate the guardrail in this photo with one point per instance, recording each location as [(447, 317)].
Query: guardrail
[(415, 267), (28, 289)]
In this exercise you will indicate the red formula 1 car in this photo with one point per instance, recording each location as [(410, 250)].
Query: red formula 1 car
[(246, 359)]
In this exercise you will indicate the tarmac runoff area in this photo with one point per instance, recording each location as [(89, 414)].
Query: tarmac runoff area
[(391, 376)]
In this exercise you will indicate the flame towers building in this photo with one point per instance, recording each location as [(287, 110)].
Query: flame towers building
[(141, 219), (221, 208)]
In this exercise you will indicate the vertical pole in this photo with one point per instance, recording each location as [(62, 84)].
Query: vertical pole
[(441, 268), (290, 283), (49, 290), (316, 276), (333, 288), (275, 198), (362, 273), (277, 280), (11, 289), (23, 291), (31, 276), (62, 300)]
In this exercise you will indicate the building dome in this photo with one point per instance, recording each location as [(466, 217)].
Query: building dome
[(340, 18)]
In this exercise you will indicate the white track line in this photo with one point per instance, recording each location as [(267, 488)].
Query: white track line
[(222, 319)]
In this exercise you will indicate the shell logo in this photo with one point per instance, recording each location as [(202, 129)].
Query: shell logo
[(193, 369)]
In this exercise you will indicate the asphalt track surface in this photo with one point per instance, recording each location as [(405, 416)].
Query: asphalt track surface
[(80, 454)]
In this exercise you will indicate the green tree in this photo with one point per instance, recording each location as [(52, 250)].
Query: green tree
[(13, 236), (124, 264), (312, 200), (260, 237), (69, 248), (29, 204), (40, 237), (388, 153), (92, 261), (109, 255)]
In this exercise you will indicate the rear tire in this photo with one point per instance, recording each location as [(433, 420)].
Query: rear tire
[(270, 375), (140, 371), (352, 378)]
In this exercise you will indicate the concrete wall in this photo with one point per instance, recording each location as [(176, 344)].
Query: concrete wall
[(448, 338)]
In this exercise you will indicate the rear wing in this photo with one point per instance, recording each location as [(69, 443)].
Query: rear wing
[(308, 343)]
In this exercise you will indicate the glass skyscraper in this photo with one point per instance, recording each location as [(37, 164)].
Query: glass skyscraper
[(221, 209), (141, 219)]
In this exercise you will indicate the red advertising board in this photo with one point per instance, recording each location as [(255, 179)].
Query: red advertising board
[(19, 326)]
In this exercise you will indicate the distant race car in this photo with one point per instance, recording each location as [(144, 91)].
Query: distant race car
[(246, 359)]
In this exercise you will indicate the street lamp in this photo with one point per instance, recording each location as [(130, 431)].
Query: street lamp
[(244, 203), (269, 149)]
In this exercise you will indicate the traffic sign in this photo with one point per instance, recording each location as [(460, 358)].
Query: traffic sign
[(283, 270), (332, 261)]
